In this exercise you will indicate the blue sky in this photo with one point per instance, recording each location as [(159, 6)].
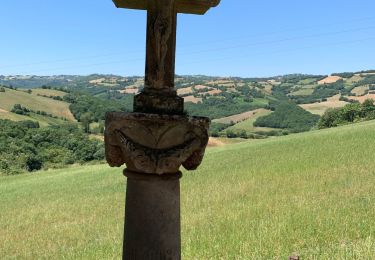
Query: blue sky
[(238, 38)]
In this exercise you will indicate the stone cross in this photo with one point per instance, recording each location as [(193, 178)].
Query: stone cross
[(156, 139)]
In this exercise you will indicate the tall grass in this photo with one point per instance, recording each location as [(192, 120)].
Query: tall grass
[(310, 194)]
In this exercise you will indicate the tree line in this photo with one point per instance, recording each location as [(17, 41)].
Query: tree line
[(288, 115), (25, 147), (350, 113)]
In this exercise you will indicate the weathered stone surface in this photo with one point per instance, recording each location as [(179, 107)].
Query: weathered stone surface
[(161, 46), (152, 226), (153, 143), (160, 104), (156, 139), (183, 6)]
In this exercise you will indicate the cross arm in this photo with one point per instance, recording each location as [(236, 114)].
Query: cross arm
[(182, 6)]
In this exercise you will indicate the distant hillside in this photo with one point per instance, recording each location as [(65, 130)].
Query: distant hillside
[(219, 98), (44, 108)]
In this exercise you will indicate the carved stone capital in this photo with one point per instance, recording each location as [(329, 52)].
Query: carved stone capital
[(153, 143), (156, 103)]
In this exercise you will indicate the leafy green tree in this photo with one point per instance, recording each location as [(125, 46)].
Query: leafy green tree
[(243, 134), (26, 147), (331, 118), (231, 134), (86, 119), (351, 111), (33, 163), (18, 109), (368, 106), (348, 114)]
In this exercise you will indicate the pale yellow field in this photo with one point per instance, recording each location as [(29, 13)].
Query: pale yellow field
[(354, 79), (329, 79), (363, 98), (320, 108), (199, 87), (97, 81), (130, 91), (192, 99), (360, 91), (221, 141), (4, 114), (268, 89), (212, 92), (183, 91), (239, 117)]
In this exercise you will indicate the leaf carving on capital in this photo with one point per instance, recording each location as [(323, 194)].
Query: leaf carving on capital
[(155, 146), (158, 161)]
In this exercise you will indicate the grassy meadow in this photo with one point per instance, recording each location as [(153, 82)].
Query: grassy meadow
[(248, 124), (32, 101), (319, 108), (309, 194), (43, 120), (48, 92)]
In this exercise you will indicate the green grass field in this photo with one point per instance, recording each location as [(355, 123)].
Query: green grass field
[(308, 81), (248, 124), (32, 101), (303, 92), (43, 120), (309, 194), (48, 92)]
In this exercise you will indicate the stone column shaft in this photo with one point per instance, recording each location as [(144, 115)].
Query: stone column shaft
[(152, 217)]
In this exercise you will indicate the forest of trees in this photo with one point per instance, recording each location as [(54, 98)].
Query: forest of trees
[(223, 105), (25, 147), (88, 109), (287, 115), (321, 93), (348, 114)]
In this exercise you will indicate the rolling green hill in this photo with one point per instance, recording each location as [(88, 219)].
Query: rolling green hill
[(219, 98), (35, 102), (309, 194), (248, 124)]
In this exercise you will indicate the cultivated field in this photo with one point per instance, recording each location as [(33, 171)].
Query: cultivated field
[(356, 78), (310, 194), (362, 99), (306, 91), (329, 79), (320, 108), (240, 117), (192, 99), (43, 120), (248, 124), (32, 101), (183, 91), (359, 91), (48, 92)]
